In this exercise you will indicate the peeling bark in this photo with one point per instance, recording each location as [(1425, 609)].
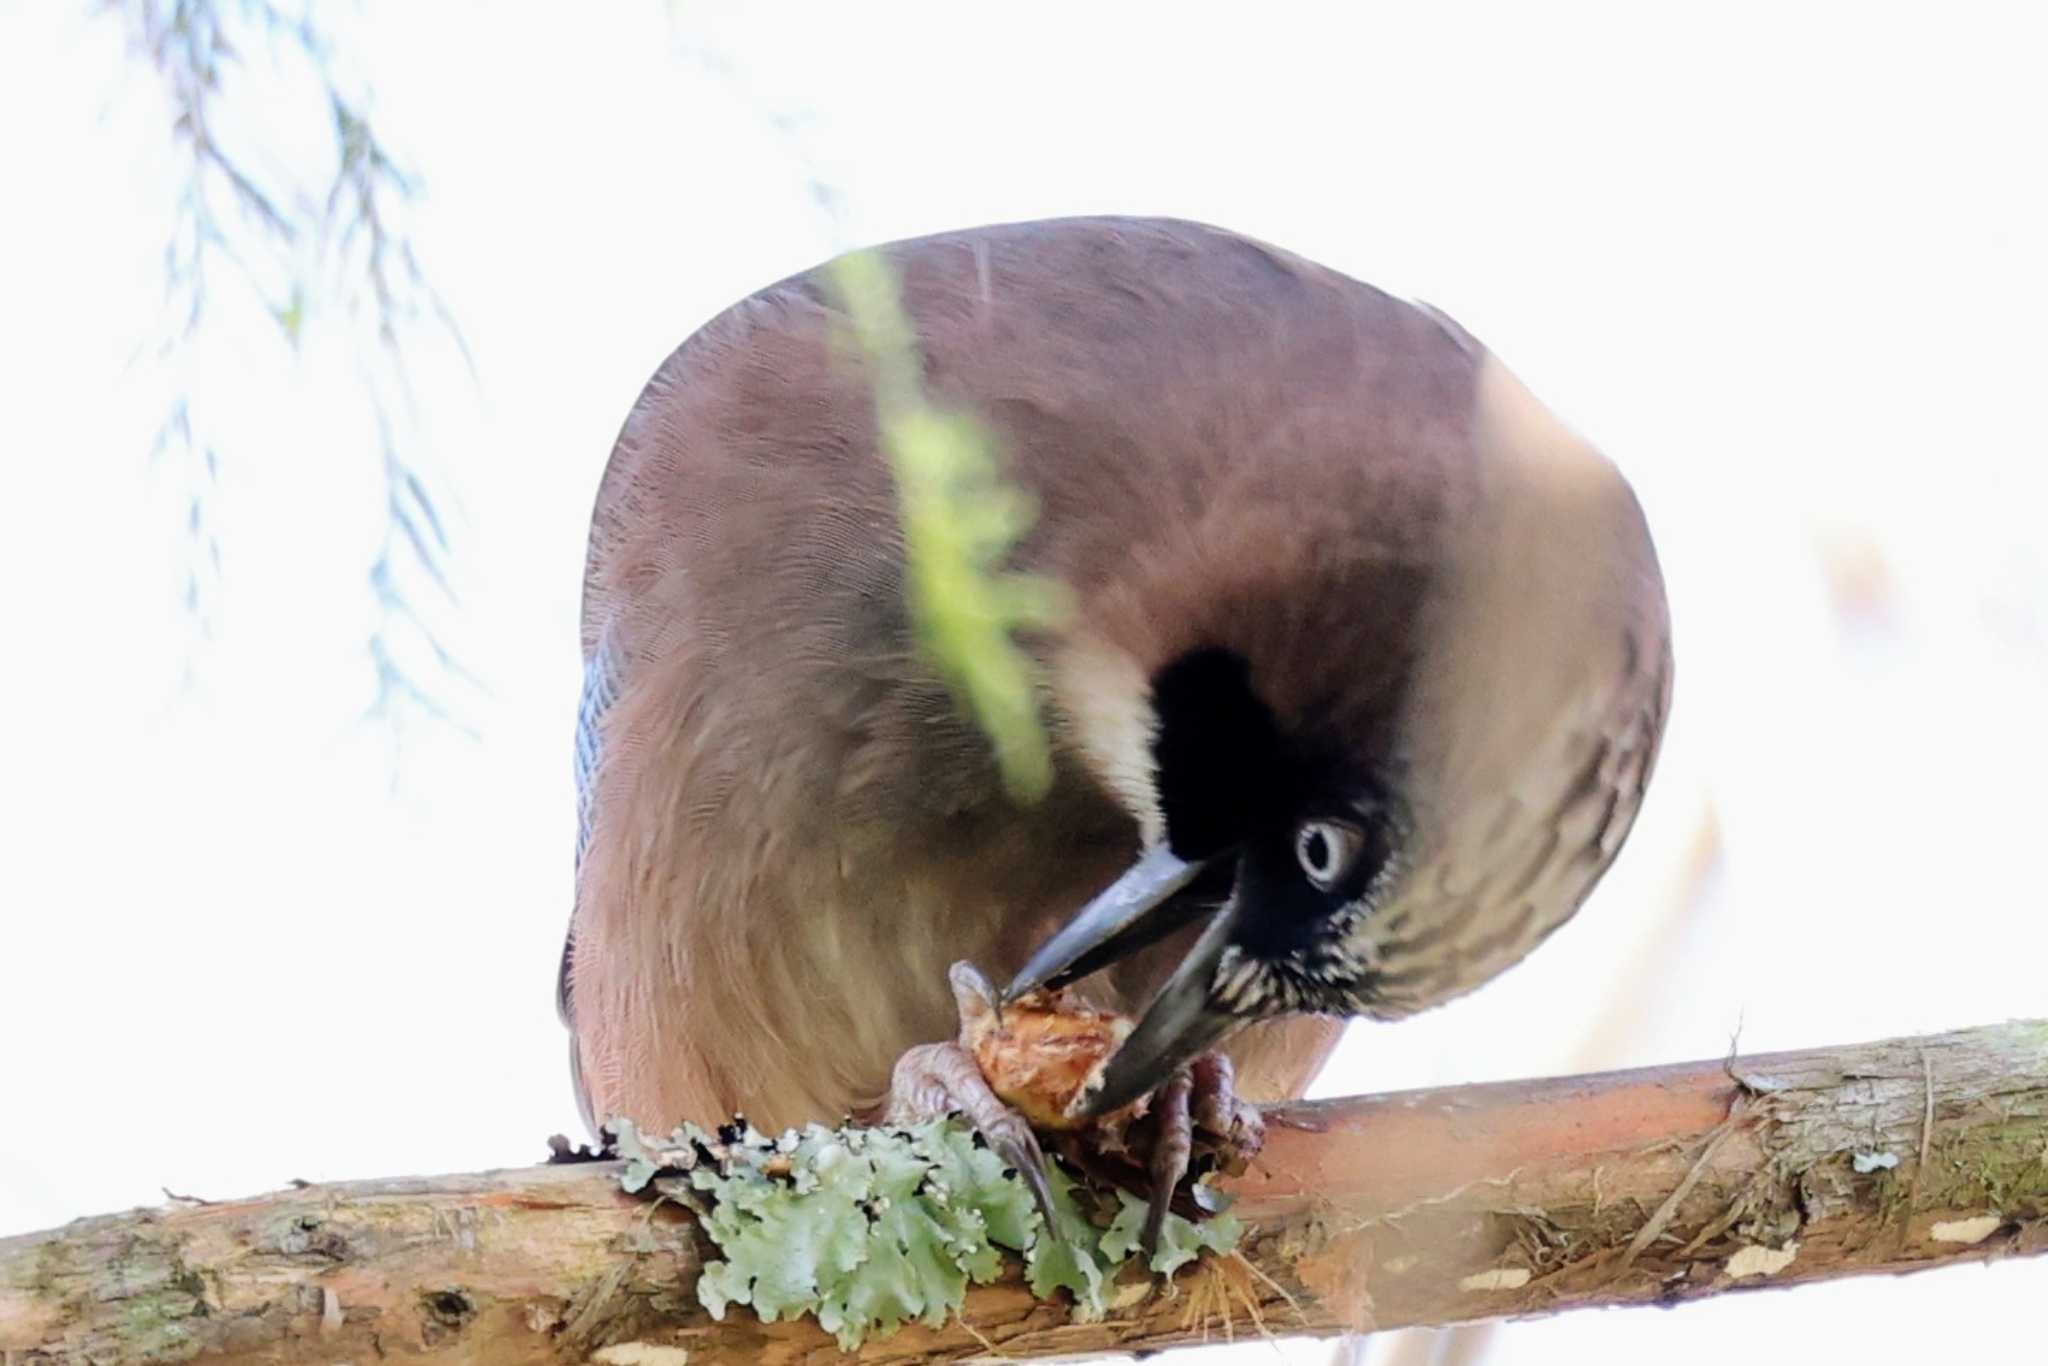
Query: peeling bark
[(1426, 1207)]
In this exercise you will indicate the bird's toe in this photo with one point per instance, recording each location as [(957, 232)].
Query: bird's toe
[(934, 1080), (1228, 1126)]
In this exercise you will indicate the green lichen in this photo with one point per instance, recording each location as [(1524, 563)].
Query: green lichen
[(869, 1229), (1180, 1241), (1999, 1166), (161, 1300), (1070, 1258)]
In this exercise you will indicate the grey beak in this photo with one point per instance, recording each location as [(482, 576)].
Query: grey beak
[(1181, 1023), (1112, 925)]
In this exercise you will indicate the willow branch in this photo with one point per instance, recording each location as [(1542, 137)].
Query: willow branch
[(1419, 1208)]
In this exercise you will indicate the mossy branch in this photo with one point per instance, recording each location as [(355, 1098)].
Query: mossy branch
[(1429, 1207)]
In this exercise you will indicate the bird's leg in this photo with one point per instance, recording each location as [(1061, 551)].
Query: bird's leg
[(1196, 1115), (1041, 1056), (937, 1079), (1234, 1129), (1173, 1145)]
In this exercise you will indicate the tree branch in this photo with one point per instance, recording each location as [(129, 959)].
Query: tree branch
[(1426, 1207)]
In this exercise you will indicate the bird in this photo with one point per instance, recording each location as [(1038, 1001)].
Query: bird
[(1363, 677)]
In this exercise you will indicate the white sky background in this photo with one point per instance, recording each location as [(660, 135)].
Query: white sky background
[(1785, 265)]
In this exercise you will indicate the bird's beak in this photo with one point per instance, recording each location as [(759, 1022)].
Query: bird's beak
[(1135, 911), (1124, 918), (1182, 1022)]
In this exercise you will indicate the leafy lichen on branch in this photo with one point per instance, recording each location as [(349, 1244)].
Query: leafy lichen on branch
[(870, 1228)]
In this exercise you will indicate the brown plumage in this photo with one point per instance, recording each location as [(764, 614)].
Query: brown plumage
[(1437, 597)]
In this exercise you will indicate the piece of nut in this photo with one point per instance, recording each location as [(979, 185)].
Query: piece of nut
[(1043, 1050)]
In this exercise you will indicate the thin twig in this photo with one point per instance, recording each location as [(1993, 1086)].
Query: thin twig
[(302, 256), (1926, 1134), (1661, 1220)]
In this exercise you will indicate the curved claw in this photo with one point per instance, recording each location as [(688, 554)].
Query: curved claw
[(942, 1078), (1171, 1149), (1028, 1160)]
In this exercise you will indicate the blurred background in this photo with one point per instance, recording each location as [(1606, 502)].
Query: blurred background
[(318, 326)]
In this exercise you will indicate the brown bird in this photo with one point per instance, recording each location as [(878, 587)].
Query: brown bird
[(1366, 671)]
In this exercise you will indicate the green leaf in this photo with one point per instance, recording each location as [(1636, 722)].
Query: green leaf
[(960, 521)]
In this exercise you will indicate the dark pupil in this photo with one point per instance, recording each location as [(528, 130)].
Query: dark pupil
[(1317, 851)]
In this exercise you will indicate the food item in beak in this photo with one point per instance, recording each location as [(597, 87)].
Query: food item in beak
[(1044, 1052), (1041, 1051)]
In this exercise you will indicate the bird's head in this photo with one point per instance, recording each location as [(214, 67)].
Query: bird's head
[(1376, 759), (1282, 842)]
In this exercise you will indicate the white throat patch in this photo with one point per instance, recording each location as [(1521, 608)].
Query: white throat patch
[(1108, 701)]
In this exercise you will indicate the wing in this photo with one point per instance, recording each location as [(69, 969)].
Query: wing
[(603, 677)]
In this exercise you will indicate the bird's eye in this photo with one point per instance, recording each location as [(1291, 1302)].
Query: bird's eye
[(1326, 850)]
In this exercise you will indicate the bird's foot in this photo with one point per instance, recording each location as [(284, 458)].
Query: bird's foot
[(1191, 1127), (1027, 1065), (933, 1080)]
